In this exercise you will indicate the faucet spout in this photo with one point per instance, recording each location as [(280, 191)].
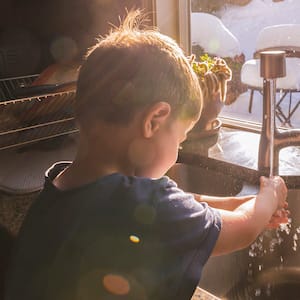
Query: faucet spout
[(281, 139)]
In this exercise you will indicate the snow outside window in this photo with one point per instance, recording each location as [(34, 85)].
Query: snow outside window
[(230, 29)]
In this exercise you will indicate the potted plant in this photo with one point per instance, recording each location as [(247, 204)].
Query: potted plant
[(213, 74)]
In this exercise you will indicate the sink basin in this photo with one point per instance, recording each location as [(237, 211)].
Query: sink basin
[(268, 274), (218, 276), (199, 180)]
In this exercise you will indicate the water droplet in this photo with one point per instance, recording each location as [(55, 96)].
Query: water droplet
[(268, 290), (251, 253), (294, 245), (257, 292)]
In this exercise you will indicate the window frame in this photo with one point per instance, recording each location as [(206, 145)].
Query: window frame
[(182, 12)]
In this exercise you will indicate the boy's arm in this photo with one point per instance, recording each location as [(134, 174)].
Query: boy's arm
[(227, 203), (241, 226)]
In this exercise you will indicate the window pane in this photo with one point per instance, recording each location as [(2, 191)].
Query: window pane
[(232, 29)]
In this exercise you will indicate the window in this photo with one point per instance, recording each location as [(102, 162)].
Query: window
[(230, 29)]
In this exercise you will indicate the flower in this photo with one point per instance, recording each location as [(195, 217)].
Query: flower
[(213, 74)]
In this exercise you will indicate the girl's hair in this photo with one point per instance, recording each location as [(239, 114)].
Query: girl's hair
[(131, 69)]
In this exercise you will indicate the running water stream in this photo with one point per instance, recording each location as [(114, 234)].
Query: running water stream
[(270, 264), (272, 124)]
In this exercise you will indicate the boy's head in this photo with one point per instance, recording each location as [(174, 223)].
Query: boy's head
[(130, 70)]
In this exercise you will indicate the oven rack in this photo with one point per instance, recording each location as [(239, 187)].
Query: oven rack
[(9, 85), (31, 119)]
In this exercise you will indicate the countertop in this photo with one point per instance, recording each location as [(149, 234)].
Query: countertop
[(23, 169), (236, 152)]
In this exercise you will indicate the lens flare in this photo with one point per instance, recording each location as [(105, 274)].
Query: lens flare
[(145, 214), (134, 239), (63, 49), (116, 284)]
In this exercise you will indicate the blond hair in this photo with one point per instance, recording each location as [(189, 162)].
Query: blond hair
[(131, 69)]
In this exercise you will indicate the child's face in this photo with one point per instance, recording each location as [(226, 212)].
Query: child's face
[(165, 147)]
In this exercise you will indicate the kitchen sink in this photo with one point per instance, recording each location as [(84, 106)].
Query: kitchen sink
[(221, 273), (267, 269), (200, 180)]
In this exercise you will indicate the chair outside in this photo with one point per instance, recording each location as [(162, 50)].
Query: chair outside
[(278, 37)]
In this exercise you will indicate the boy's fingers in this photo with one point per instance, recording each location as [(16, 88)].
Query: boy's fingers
[(281, 212), (276, 221), (279, 217), (262, 180)]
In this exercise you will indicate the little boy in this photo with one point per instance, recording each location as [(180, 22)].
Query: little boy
[(110, 225)]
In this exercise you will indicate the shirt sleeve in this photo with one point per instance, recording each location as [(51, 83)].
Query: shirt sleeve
[(186, 224)]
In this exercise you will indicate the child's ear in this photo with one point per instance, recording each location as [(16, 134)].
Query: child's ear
[(156, 115)]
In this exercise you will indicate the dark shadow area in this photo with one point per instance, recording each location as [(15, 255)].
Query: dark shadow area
[(37, 33), (13, 209), (6, 245)]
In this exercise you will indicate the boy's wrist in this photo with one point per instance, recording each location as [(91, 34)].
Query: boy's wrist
[(267, 199)]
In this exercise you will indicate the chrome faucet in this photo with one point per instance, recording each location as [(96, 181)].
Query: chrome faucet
[(272, 140)]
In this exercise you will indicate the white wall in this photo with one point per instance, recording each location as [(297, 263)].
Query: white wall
[(172, 17), (167, 17)]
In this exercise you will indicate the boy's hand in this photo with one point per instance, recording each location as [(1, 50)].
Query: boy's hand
[(242, 226), (281, 216), (276, 186)]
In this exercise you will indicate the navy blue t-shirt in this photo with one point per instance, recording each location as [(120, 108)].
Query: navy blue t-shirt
[(119, 237)]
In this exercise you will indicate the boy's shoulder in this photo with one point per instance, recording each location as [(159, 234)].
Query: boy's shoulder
[(123, 192), (116, 180)]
